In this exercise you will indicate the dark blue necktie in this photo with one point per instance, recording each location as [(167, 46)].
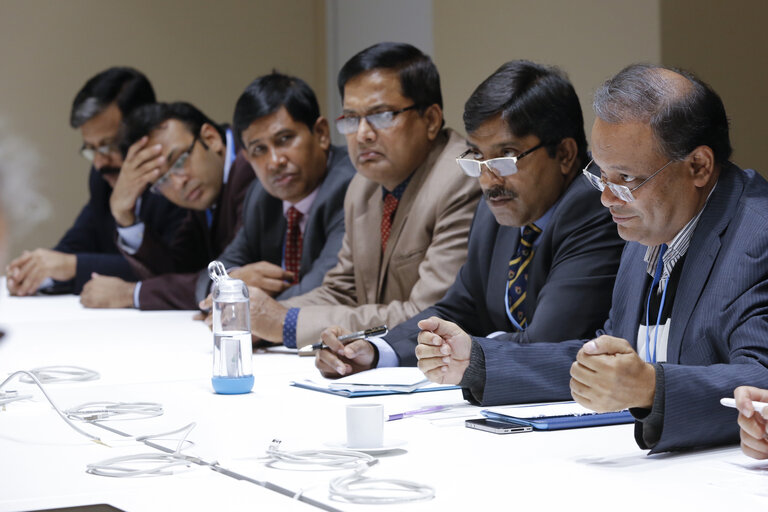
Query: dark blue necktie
[(517, 281)]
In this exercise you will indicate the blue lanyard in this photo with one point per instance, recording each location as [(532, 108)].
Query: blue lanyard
[(651, 357)]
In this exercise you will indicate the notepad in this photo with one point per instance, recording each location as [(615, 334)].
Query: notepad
[(379, 381), (556, 415)]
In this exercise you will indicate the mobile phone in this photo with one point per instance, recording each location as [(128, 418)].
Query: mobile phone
[(496, 426)]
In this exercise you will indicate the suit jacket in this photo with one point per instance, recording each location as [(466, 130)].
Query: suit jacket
[(427, 245), (92, 237), (263, 234), (169, 271), (718, 338), (570, 277)]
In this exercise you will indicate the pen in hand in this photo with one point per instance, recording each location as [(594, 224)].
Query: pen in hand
[(373, 331)]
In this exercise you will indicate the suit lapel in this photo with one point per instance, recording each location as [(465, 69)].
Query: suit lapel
[(503, 251), (701, 256), (630, 286), (367, 249)]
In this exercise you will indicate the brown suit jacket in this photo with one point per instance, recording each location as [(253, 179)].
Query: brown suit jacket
[(169, 272), (426, 247)]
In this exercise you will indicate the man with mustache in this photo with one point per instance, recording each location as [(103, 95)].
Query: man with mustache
[(89, 245), (407, 211), (543, 253)]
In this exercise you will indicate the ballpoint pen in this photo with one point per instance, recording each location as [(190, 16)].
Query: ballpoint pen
[(730, 402), (373, 331), (425, 410)]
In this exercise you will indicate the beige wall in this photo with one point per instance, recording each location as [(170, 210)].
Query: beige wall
[(198, 51), (725, 44), (590, 40)]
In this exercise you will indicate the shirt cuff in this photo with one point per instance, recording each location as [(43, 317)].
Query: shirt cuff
[(136, 303), (289, 327), (387, 355), (129, 238)]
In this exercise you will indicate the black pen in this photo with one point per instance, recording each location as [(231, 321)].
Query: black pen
[(373, 331)]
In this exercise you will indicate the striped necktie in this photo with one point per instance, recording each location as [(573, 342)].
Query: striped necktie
[(517, 281)]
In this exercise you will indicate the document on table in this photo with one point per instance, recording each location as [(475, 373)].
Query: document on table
[(556, 415), (379, 381)]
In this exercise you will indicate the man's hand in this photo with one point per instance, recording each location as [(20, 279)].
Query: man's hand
[(271, 278), (267, 316), (608, 375), (339, 359), (443, 350), (754, 424), (107, 292), (25, 273), (141, 167)]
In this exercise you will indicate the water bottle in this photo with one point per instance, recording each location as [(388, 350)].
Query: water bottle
[(232, 372)]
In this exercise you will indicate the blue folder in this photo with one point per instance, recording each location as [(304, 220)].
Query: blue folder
[(591, 419)]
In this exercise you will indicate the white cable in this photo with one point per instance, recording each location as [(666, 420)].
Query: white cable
[(34, 380), (6, 397), (61, 373), (353, 487), (162, 462), (105, 411)]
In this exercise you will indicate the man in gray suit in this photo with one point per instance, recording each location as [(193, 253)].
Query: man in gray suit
[(527, 147), (293, 218)]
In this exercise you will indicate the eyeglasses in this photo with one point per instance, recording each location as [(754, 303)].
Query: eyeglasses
[(347, 124), (503, 166), (177, 169), (89, 152), (621, 191)]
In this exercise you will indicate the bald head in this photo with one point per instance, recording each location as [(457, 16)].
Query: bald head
[(682, 111)]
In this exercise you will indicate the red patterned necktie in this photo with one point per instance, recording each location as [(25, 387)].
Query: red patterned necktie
[(293, 241), (390, 205)]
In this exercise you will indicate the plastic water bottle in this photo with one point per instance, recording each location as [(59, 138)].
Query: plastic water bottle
[(232, 372)]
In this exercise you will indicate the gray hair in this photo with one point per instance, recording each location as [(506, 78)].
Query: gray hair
[(683, 114), (86, 111)]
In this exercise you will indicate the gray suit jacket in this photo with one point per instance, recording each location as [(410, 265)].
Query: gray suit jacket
[(263, 232)]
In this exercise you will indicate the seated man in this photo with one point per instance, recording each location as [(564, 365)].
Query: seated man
[(178, 152), (687, 322), (407, 211), (89, 245), (293, 220), (540, 243)]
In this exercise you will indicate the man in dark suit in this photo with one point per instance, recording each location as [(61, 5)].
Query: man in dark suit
[(688, 321), (89, 245), (527, 147), (293, 220), (178, 152)]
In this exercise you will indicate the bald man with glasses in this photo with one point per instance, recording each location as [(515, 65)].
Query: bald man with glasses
[(543, 253)]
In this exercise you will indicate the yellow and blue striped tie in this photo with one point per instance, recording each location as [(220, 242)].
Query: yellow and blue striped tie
[(517, 281)]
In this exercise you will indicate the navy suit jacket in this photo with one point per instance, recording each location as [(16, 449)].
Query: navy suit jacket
[(92, 237), (719, 323), (263, 231), (569, 283)]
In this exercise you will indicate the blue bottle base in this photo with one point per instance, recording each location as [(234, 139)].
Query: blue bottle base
[(232, 385)]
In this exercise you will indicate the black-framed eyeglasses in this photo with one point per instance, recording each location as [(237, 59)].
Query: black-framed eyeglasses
[(347, 124), (502, 166), (177, 168), (623, 192), (107, 149)]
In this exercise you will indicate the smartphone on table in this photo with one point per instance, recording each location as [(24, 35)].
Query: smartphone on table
[(496, 426)]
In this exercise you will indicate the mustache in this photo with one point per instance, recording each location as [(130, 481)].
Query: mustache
[(499, 192), (108, 170)]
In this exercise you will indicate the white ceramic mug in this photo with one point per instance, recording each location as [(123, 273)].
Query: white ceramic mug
[(365, 425)]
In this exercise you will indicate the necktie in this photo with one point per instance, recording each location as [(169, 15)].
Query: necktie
[(518, 275), (390, 205), (293, 241)]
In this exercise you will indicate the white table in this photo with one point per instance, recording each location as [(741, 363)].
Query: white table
[(166, 357)]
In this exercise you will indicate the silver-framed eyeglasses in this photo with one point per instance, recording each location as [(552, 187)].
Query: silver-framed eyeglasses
[(623, 192), (502, 166), (89, 152), (347, 124), (177, 168)]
